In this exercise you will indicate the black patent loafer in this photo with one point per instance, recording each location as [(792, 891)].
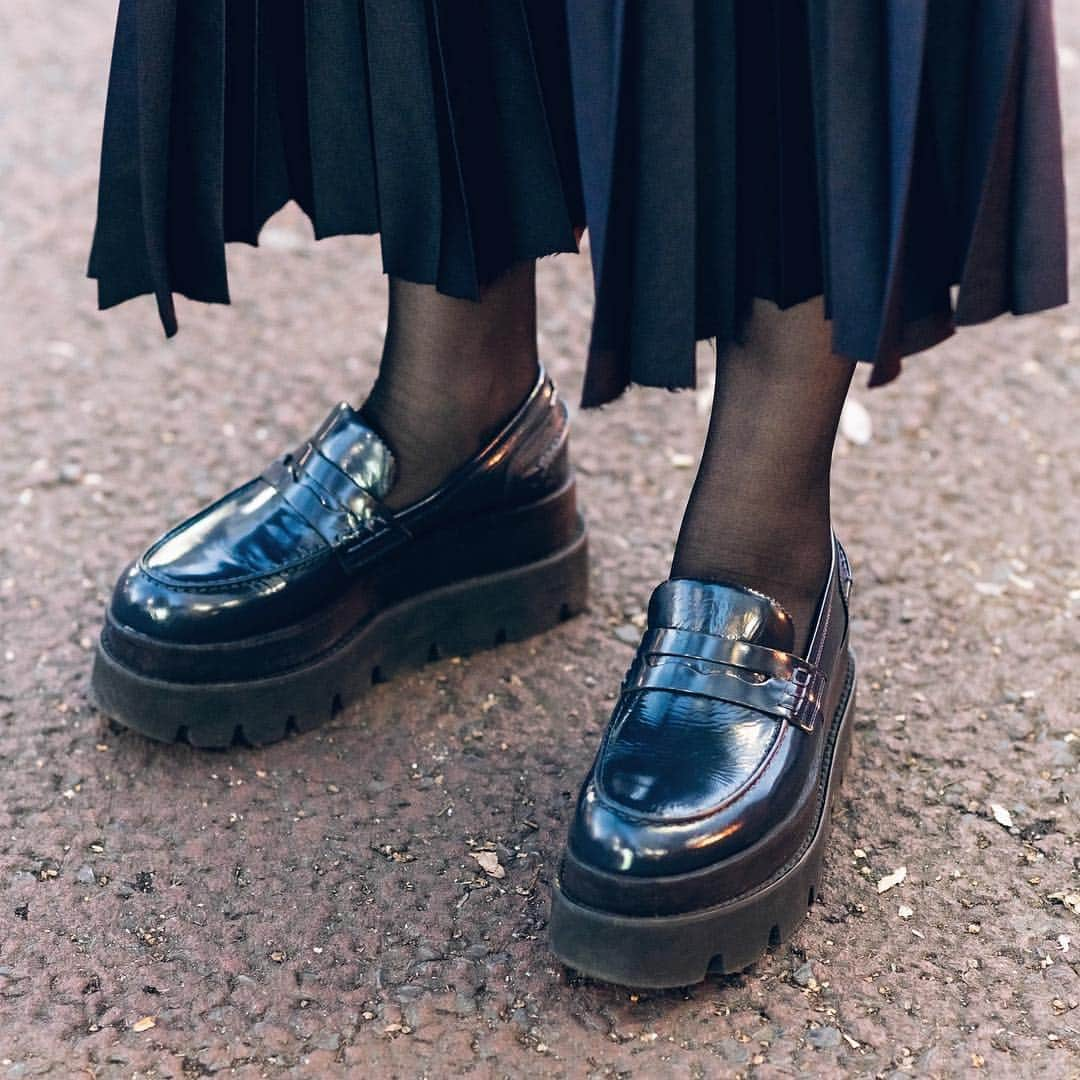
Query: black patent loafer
[(699, 834), (283, 601)]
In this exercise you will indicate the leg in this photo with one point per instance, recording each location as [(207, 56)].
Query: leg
[(699, 833), (452, 372), (759, 511), (300, 589)]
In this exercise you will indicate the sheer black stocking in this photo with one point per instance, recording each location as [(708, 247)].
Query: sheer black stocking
[(452, 372), (759, 511)]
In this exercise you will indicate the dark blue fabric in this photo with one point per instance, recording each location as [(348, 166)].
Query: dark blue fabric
[(936, 146), (876, 153), (446, 127)]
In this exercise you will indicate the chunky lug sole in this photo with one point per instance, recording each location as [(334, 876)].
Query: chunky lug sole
[(453, 620), (679, 950)]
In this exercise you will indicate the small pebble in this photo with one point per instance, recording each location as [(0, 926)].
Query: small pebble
[(823, 1038), (855, 423)]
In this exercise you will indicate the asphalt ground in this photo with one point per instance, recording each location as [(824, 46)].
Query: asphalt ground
[(316, 907)]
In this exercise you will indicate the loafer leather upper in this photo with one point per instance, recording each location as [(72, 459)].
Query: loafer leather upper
[(311, 535), (223, 573), (714, 745)]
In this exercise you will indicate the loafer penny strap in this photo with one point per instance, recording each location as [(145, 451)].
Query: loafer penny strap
[(348, 517), (729, 670)]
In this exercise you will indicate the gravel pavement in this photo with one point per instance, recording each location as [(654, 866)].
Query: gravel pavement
[(315, 908)]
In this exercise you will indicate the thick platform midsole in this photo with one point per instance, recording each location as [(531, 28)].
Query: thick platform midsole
[(456, 619), (341, 604)]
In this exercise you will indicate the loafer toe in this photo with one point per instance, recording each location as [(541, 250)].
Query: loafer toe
[(664, 797), (217, 576), (145, 605)]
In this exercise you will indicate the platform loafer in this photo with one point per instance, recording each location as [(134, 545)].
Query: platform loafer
[(287, 598), (699, 833)]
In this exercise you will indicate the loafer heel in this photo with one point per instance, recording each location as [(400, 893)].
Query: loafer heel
[(481, 613)]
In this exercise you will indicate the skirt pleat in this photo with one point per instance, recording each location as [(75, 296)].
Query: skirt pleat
[(1038, 234), (195, 224), (662, 185), (344, 179), (1016, 243), (130, 255), (518, 152), (405, 132), (426, 121), (775, 159), (716, 82), (882, 154), (241, 143), (902, 159), (642, 257)]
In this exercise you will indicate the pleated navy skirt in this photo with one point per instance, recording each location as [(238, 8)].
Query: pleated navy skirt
[(878, 153)]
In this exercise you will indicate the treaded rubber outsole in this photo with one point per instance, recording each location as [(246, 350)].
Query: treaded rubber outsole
[(664, 951), (455, 620)]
